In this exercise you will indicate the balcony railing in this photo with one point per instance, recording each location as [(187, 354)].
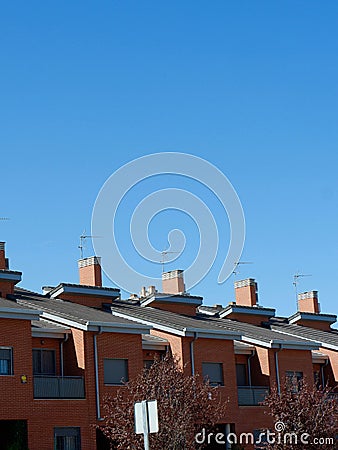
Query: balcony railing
[(252, 395), (58, 387)]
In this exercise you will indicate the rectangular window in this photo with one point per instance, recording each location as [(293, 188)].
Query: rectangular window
[(293, 380), (44, 362), (241, 375), (147, 363), (213, 372), (67, 438), (260, 439), (115, 371), (6, 361)]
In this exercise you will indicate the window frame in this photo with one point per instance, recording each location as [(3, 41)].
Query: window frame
[(245, 367), (294, 380), (123, 380), (58, 433), (41, 350), (11, 363), (206, 376)]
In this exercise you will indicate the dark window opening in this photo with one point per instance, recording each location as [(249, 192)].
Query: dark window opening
[(67, 438), (44, 362), (6, 361), (115, 371), (213, 372), (241, 375), (294, 380)]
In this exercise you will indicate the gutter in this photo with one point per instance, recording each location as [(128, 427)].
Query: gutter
[(96, 369)]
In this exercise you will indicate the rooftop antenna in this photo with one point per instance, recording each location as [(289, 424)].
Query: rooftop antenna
[(296, 281), (164, 255), (238, 263), (4, 218), (83, 238)]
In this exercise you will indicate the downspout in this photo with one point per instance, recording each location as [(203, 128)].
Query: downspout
[(61, 353), (277, 368), (322, 371), (192, 358), (96, 368), (249, 366)]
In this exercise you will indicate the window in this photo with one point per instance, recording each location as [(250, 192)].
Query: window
[(241, 375), (213, 372), (6, 361), (293, 380), (147, 363), (115, 371), (43, 362), (67, 438), (260, 439)]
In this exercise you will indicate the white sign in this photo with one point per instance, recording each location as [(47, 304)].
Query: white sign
[(146, 417)]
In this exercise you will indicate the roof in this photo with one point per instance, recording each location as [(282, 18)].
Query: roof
[(266, 337), (71, 288), (241, 309), (47, 329), (11, 310), (300, 315), (171, 322), (327, 339), (151, 342), (78, 316), (162, 297), (207, 326)]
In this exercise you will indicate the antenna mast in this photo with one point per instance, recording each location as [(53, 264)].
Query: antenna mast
[(163, 259), (238, 263), (296, 281), (83, 238)]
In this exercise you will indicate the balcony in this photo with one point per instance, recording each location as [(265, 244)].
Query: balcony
[(252, 395), (58, 387)]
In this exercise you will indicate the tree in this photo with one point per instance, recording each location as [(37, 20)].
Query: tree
[(305, 414), (185, 406)]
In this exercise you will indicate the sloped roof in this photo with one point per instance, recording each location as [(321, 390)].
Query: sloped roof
[(327, 339), (76, 315)]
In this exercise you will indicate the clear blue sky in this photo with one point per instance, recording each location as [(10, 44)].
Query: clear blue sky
[(251, 86)]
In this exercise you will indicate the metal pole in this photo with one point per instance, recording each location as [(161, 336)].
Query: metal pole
[(145, 424)]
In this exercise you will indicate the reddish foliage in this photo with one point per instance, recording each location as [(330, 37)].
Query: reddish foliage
[(184, 402), (307, 410)]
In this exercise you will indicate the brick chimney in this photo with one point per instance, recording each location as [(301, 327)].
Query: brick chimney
[(246, 292), (173, 282), (8, 278), (3, 259), (308, 302), (90, 271)]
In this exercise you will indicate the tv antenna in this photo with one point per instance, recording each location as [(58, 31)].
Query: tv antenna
[(4, 218), (296, 281), (83, 238), (238, 263), (164, 255)]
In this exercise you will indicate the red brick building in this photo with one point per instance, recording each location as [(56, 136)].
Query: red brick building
[(61, 351)]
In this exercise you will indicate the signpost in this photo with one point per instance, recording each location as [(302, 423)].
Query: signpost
[(146, 419)]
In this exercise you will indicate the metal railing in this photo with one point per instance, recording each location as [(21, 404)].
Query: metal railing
[(252, 395), (58, 387)]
